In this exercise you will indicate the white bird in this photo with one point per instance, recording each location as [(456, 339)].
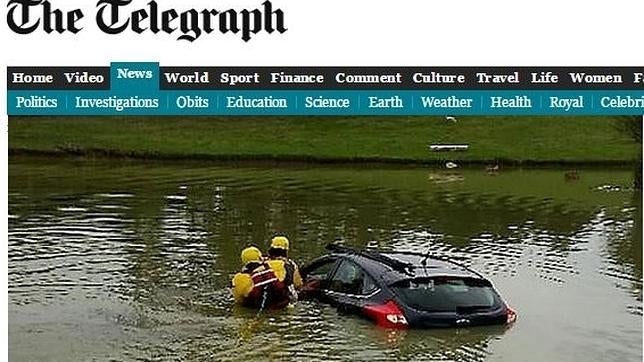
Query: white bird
[(451, 119), (451, 165)]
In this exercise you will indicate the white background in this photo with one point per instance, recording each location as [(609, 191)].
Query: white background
[(374, 32), (351, 32)]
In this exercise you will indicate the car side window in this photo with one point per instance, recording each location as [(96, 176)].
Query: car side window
[(351, 279), (321, 271), (368, 286)]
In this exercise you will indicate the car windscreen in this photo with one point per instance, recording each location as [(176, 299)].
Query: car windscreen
[(448, 294)]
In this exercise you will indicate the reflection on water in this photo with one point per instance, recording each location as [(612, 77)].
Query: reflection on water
[(131, 261)]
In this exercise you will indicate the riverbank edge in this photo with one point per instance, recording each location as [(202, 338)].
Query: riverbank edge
[(311, 159)]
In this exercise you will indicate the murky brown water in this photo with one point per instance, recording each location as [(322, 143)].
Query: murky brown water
[(113, 260)]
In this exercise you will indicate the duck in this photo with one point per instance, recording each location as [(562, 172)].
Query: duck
[(571, 175), (492, 168)]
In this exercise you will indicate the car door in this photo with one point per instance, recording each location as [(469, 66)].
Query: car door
[(350, 287), (316, 278)]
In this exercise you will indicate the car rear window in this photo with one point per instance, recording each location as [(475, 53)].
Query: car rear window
[(447, 294)]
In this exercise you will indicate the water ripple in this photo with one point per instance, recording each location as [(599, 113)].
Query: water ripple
[(139, 257)]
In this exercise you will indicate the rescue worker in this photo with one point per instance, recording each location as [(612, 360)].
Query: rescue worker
[(285, 268), (257, 286)]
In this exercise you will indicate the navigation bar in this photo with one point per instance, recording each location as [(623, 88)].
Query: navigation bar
[(327, 78), (146, 88), (368, 102)]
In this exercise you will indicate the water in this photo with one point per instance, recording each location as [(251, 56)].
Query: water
[(118, 260)]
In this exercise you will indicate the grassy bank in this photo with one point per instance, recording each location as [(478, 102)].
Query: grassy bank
[(509, 139)]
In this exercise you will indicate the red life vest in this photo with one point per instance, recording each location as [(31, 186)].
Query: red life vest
[(268, 291)]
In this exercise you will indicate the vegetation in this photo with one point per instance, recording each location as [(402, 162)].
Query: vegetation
[(395, 139)]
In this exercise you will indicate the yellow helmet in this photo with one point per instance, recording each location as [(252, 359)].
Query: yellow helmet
[(251, 254), (279, 242)]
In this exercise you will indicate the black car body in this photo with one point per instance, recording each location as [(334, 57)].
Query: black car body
[(404, 289)]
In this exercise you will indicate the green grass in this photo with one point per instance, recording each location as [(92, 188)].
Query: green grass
[(516, 139)]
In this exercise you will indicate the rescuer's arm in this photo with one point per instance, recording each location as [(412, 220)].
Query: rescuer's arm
[(297, 278), (242, 285)]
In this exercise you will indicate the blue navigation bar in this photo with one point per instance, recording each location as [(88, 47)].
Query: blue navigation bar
[(362, 102)]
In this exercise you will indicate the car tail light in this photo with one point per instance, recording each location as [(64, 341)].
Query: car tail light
[(387, 315), (511, 315)]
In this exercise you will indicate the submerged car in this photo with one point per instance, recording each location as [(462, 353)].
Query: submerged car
[(404, 289)]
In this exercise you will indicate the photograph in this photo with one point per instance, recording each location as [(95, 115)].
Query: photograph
[(324, 238)]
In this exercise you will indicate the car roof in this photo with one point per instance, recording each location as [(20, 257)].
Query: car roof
[(394, 266)]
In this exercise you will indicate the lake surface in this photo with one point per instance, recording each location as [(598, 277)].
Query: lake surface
[(131, 260)]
